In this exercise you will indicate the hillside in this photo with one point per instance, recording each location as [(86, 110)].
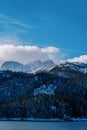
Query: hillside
[(60, 93)]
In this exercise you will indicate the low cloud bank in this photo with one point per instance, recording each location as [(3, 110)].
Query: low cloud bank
[(80, 59), (25, 54)]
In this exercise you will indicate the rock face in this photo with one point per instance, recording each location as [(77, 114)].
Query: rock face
[(60, 92), (31, 67)]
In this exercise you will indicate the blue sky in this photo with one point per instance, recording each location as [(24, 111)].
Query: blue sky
[(58, 23)]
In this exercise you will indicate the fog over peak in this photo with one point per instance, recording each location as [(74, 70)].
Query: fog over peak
[(26, 53), (20, 51)]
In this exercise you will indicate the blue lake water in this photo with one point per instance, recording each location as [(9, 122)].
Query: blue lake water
[(8, 125)]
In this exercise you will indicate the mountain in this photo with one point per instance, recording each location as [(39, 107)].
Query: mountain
[(60, 92), (68, 69), (12, 65), (31, 67), (38, 66), (44, 94)]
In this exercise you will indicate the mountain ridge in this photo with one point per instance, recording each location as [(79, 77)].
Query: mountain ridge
[(31, 67), (46, 66), (58, 92)]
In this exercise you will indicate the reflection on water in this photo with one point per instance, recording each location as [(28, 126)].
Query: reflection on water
[(8, 125)]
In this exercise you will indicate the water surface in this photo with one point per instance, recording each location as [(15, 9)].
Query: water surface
[(13, 125)]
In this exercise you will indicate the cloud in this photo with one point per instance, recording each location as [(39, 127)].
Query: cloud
[(15, 50), (6, 39), (6, 20), (12, 26), (81, 59), (27, 53), (50, 50)]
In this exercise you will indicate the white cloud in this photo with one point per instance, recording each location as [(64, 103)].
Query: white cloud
[(9, 39), (27, 53), (50, 49), (8, 21), (14, 26), (81, 59)]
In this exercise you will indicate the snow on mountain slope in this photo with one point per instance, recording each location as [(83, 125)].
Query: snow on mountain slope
[(46, 66), (81, 67), (68, 69), (49, 89), (31, 67)]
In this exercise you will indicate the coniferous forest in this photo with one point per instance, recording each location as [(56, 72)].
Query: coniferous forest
[(43, 94)]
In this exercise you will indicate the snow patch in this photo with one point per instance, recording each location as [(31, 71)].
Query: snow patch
[(45, 89)]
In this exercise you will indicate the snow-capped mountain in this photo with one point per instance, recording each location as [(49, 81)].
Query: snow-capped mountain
[(38, 66), (62, 69), (81, 67), (12, 65), (68, 69), (43, 95), (31, 67)]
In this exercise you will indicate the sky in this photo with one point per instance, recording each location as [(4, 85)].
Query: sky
[(43, 29)]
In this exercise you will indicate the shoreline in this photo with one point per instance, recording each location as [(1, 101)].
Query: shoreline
[(44, 120)]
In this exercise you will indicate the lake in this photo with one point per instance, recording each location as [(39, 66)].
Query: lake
[(14, 125)]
